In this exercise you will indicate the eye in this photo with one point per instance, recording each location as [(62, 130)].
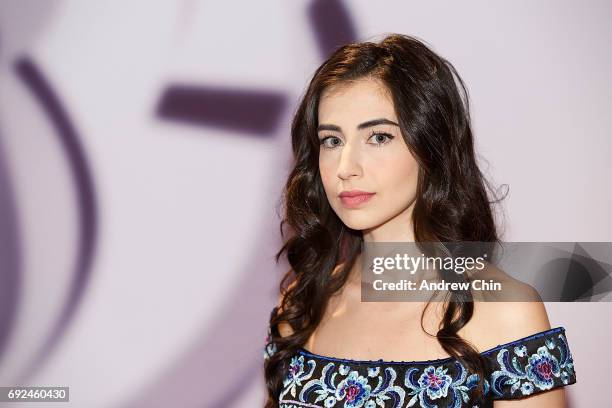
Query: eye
[(325, 142), (380, 137)]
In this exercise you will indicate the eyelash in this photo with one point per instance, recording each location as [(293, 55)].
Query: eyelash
[(374, 133)]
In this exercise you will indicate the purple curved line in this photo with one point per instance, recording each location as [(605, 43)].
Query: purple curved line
[(87, 209), (10, 256)]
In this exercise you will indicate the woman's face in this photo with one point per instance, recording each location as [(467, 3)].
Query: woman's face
[(362, 148)]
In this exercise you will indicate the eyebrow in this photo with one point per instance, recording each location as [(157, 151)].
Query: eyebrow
[(369, 123)]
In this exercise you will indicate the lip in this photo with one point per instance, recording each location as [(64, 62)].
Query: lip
[(352, 193), (354, 198)]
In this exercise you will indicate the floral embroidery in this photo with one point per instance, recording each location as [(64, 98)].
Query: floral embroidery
[(540, 370), (542, 367), (269, 348), (520, 368), (296, 374), (434, 383), (356, 390)]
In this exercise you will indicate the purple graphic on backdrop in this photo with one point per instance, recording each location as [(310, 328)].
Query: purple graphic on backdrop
[(10, 255), (69, 139)]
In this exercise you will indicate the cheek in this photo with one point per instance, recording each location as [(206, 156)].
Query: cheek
[(326, 171), (397, 175)]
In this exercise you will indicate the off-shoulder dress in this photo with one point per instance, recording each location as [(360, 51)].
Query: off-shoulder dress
[(517, 369)]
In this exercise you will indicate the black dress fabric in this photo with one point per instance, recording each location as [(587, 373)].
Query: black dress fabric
[(517, 369)]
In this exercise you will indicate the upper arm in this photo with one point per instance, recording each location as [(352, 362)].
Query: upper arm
[(520, 319), (502, 322)]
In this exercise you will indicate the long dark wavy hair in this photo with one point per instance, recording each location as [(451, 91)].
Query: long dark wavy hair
[(451, 204)]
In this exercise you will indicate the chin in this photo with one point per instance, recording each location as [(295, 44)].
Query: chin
[(358, 222)]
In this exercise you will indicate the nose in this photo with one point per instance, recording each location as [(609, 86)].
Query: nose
[(349, 165)]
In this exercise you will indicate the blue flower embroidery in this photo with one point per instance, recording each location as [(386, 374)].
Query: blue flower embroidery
[(527, 388), (434, 383), (355, 389), (269, 345), (540, 371), (296, 374), (269, 350), (542, 366)]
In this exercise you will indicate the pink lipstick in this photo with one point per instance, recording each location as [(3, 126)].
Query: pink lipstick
[(354, 198)]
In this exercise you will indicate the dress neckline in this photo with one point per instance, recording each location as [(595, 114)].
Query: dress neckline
[(304, 352)]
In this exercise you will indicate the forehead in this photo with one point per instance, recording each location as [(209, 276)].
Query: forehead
[(355, 102)]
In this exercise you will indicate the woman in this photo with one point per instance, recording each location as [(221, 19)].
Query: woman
[(384, 153)]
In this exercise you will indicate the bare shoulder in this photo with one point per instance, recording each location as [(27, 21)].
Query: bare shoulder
[(495, 323)]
